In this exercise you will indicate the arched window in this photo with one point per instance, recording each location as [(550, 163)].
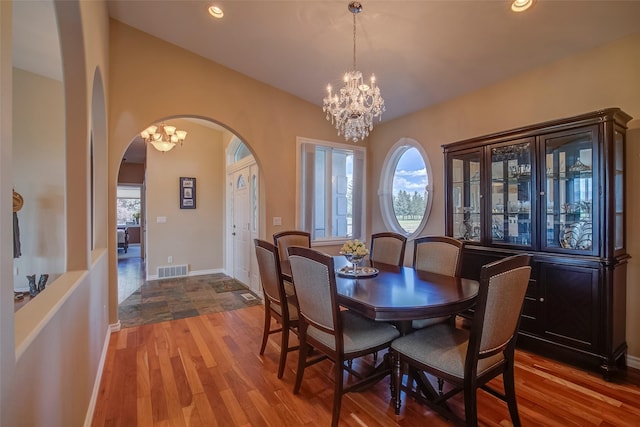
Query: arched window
[(241, 152), (405, 188)]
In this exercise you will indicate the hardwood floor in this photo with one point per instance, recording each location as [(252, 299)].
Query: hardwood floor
[(206, 371)]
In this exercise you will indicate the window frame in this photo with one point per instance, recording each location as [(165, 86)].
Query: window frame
[(303, 205), (385, 189)]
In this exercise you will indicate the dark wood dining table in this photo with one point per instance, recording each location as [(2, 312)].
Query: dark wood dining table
[(400, 294)]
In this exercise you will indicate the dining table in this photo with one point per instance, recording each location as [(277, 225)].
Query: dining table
[(389, 293)]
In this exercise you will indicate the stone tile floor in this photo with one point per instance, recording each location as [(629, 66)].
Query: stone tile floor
[(177, 298)]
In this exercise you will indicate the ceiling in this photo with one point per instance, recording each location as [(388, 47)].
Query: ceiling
[(421, 52)]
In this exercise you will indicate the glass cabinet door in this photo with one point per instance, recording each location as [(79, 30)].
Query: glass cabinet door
[(511, 191), (568, 191), (465, 197), (618, 161)]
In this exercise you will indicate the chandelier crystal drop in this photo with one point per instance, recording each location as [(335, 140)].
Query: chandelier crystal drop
[(354, 107), (163, 137)]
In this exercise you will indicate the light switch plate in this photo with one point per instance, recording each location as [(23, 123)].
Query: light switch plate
[(277, 220)]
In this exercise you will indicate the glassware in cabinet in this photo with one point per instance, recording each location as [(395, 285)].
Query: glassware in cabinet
[(511, 191), (465, 197)]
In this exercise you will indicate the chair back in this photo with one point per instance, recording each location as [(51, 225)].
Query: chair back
[(388, 248), (269, 268), (315, 283), (286, 239), (503, 285), (438, 254)]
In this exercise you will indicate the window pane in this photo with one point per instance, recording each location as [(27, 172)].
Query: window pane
[(319, 194), (342, 174), (128, 205), (410, 190), (254, 203)]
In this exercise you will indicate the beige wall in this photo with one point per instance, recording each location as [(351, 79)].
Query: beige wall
[(189, 236), (51, 349), (38, 171), (605, 77)]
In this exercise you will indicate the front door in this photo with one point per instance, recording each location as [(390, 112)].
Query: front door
[(241, 226)]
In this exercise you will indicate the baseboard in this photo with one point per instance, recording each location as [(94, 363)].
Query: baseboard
[(633, 362), (191, 273), (115, 327), (96, 385)]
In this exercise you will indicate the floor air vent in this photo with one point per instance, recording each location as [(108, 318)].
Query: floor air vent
[(173, 271), (248, 297)]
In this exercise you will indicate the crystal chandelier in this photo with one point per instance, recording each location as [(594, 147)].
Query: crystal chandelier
[(353, 109), (163, 137)]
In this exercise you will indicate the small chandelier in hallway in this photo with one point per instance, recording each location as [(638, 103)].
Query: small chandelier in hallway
[(163, 137), (357, 104)]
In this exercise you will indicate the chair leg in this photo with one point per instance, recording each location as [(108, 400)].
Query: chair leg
[(302, 362), (510, 394), (267, 326), (337, 397), (284, 349), (470, 404), (397, 380)]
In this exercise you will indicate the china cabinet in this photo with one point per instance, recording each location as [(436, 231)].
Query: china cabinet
[(554, 190)]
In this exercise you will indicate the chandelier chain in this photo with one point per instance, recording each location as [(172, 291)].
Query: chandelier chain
[(354, 41)]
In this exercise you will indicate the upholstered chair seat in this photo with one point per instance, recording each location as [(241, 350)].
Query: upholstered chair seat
[(358, 333), (442, 347)]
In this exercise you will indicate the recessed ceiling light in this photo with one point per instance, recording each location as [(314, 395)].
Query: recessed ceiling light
[(521, 5), (216, 12)]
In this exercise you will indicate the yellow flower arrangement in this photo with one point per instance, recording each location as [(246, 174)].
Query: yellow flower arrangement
[(354, 248)]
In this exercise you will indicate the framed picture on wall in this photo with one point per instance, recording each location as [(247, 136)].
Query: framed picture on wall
[(187, 193)]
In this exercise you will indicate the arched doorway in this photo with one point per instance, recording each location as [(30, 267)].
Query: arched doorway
[(197, 239)]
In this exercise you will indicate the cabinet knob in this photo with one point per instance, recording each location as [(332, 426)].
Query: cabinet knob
[(542, 193), (541, 299)]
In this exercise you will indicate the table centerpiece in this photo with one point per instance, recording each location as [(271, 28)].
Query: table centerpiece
[(354, 251)]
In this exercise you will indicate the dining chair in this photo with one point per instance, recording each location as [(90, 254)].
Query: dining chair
[(387, 248), (277, 304), (441, 255), (286, 239), (339, 335), (469, 358)]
